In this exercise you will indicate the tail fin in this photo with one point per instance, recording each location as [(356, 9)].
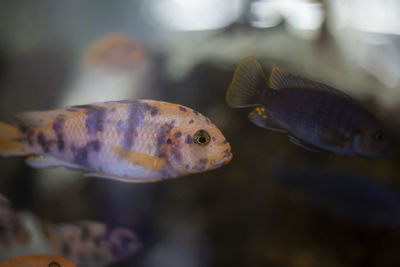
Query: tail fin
[(247, 84), (10, 140)]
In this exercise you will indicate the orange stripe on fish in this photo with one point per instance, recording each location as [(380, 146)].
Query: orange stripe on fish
[(142, 159)]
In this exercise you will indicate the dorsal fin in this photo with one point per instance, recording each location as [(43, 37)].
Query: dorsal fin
[(41, 118), (247, 84), (280, 78)]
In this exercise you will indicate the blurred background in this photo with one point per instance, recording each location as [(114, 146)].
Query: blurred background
[(275, 204)]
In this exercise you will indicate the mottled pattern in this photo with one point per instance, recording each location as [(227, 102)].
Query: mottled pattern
[(130, 140), (57, 127), (45, 144), (135, 115), (93, 243), (163, 132), (95, 118)]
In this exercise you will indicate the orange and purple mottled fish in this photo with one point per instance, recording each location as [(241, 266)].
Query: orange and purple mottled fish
[(130, 140), (316, 116), (39, 260), (91, 243)]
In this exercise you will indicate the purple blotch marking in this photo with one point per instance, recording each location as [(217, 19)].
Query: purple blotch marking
[(176, 153), (112, 110), (85, 233), (213, 139), (182, 109), (30, 136), (120, 126), (60, 142), (153, 110), (94, 145), (135, 116), (169, 141), (95, 118), (201, 164), (191, 121), (195, 113), (43, 142), (189, 139), (22, 128), (163, 132), (57, 127), (66, 249), (178, 134), (81, 156)]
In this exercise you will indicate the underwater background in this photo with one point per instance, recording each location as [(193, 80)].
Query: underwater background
[(274, 204)]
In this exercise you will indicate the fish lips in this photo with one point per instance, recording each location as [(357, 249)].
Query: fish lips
[(224, 159)]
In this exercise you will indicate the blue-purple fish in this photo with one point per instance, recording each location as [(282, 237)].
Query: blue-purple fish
[(314, 115)]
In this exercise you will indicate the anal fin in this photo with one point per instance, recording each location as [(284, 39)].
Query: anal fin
[(306, 145), (260, 117)]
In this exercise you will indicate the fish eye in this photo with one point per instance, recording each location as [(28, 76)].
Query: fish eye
[(54, 264), (201, 137), (378, 136)]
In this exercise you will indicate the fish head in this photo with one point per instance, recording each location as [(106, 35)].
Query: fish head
[(197, 146), (371, 141)]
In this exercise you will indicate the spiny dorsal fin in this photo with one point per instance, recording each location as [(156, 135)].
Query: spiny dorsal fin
[(41, 118), (247, 84), (280, 78)]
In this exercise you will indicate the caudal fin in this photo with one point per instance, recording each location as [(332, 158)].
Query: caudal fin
[(247, 84), (10, 140)]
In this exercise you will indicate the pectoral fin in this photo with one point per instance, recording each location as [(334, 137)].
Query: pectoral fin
[(141, 159), (305, 145), (260, 117)]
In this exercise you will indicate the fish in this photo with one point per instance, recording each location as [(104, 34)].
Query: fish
[(315, 116), (128, 140), (91, 243), (38, 260), (117, 50), (13, 232)]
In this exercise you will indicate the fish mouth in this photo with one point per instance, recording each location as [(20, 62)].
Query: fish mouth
[(224, 159)]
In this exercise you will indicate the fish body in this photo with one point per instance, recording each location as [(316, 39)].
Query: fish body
[(130, 140), (41, 260), (316, 116), (91, 243)]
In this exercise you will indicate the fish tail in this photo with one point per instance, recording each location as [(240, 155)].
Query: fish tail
[(10, 140), (247, 84)]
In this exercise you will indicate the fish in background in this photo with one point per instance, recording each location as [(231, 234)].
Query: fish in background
[(358, 198), (314, 115), (132, 140), (92, 243), (113, 67), (88, 243), (38, 260), (12, 230)]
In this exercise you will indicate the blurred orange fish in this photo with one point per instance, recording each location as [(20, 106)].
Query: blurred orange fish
[(130, 140), (41, 260)]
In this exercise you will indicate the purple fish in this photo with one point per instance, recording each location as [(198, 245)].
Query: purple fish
[(314, 115)]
